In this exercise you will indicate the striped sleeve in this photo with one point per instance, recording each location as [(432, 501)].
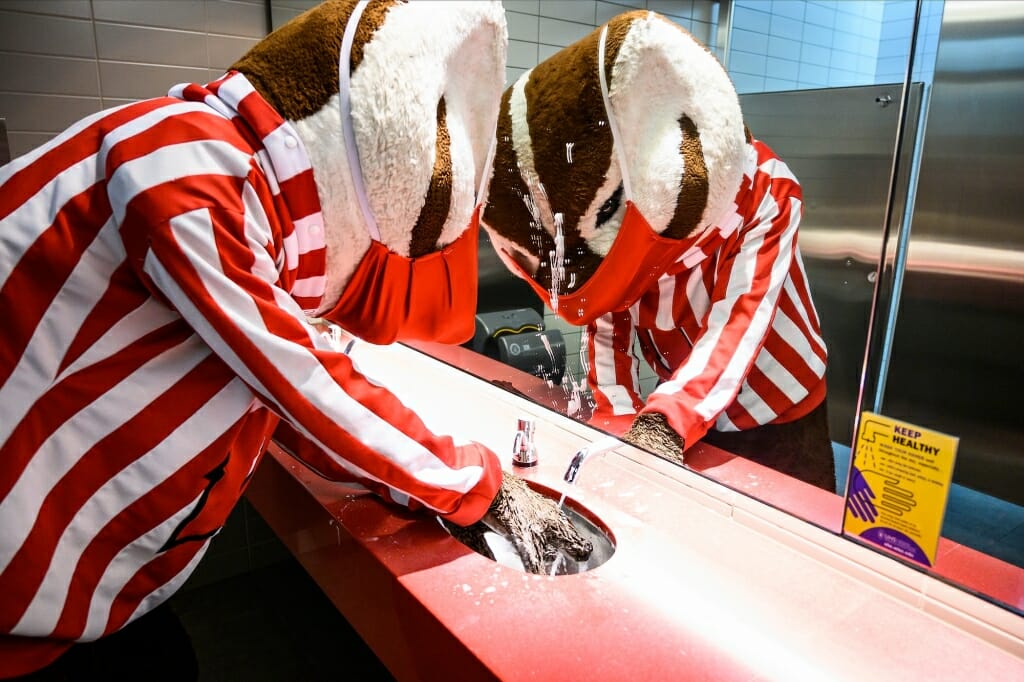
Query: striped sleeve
[(203, 264), (614, 372), (751, 275)]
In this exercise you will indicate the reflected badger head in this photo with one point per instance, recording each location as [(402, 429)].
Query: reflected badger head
[(558, 181)]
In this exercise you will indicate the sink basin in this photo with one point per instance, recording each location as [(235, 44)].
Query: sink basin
[(585, 521)]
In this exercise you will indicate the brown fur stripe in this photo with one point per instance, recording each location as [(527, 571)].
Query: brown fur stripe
[(693, 195), (439, 194), (507, 197), (295, 68)]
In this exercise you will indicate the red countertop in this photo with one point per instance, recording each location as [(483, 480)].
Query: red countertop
[(705, 583)]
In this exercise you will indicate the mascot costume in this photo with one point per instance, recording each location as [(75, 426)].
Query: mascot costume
[(628, 193), (159, 266)]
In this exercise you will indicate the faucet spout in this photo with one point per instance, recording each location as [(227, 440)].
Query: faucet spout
[(583, 454)]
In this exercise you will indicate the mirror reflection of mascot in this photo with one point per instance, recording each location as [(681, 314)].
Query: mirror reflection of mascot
[(629, 195), (158, 266)]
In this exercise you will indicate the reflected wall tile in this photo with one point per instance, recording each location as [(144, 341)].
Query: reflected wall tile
[(512, 74), (522, 54), (786, 69), (580, 11), (750, 41), (747, 62), (672, 8), (524, 6), (561, 33), (522, 26), (606, 11), (751, 19), (820, 16)]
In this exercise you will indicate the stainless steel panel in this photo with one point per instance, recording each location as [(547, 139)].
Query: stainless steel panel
[(839, 143), (958, 350)]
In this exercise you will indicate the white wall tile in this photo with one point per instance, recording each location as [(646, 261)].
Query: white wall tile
[(150, 45), (22, 142), (44, 113), (140, 81), (63, 8), (38, 34), (53, 75), (226, 50), (189, 15), (236, 18), (280, 16)]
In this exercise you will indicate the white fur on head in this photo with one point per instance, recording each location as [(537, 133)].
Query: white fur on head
[(661, 73), (423, 51)]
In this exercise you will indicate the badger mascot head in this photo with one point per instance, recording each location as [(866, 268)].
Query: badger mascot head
[(398, 131), (618, 150)]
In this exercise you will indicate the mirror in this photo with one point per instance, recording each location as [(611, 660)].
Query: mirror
[(823, 84)]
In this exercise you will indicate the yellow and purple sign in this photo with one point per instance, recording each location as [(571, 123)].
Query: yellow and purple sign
[(898, 487)]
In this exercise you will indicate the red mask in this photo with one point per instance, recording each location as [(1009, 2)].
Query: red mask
[(391, 297), (638, 257), (430, 298)]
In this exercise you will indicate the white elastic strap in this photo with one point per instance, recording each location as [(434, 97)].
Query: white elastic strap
[(345, 103), (488, 167), (616, 138)]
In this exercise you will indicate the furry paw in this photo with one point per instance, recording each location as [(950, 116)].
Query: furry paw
[(651, 432)]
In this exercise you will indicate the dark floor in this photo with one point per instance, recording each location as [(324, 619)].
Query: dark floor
[(272, 624)]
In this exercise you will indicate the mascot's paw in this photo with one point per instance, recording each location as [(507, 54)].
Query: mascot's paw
[(531, 522), (652, 433)]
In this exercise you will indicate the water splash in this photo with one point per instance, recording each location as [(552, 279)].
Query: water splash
[(556, 259), (568, 151)]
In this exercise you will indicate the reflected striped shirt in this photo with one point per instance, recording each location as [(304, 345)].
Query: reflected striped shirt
[(730, 330)]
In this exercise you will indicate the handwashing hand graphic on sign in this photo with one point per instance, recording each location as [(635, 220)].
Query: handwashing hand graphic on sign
[(859, 500), (895, 499)]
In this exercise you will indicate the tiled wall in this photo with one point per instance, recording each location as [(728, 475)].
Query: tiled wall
[(793, 44), (63, 59)]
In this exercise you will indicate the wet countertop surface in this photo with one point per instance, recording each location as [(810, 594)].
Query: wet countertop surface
[(705, 582)]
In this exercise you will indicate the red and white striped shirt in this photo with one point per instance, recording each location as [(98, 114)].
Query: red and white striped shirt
[(730, 330), (157, 262)]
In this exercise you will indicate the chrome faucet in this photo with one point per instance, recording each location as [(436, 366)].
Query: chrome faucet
[(598, 447), (524, 451)]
